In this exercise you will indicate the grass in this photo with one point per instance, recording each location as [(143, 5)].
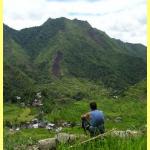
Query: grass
[(112, 108), (133, 114), (27, 137), (111, 143), (131, 109), (15, 114), (24, 137)]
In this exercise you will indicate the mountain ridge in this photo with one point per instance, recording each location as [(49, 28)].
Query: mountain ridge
[(62, 47)]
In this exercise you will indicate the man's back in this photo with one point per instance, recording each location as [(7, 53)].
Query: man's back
[(96, 118)]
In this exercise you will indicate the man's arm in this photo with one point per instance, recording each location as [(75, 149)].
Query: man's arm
[(87, 116)]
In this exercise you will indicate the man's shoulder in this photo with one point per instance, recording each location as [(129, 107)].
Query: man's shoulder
[(101, 112), (96, 111)]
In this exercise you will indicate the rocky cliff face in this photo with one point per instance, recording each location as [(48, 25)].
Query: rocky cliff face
[(56, 66)]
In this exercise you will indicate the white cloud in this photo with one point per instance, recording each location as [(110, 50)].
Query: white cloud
[(122, 19)]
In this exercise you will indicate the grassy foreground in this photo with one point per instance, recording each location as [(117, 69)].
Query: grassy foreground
[(133, 114), (23, 139), (110, 143), (131, 109)]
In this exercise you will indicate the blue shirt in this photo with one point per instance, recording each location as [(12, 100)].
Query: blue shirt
[(96, 118)]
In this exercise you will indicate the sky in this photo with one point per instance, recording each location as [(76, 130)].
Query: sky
[(120, 19)]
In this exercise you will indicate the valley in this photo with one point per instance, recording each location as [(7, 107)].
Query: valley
[(53, 71)]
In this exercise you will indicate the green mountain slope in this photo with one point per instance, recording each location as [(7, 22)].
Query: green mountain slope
[(72, 48), (17, 68), (137, 91)]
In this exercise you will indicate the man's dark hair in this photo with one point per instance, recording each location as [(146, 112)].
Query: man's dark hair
[(93, 105)]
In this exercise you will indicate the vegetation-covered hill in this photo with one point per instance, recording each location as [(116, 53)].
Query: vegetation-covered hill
[(63, 48)]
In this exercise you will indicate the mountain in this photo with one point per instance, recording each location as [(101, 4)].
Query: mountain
[(62, 48)]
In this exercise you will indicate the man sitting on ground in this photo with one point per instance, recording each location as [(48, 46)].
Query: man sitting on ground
[(93, 121)]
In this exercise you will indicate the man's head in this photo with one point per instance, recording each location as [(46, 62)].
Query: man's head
[(93, 105)]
